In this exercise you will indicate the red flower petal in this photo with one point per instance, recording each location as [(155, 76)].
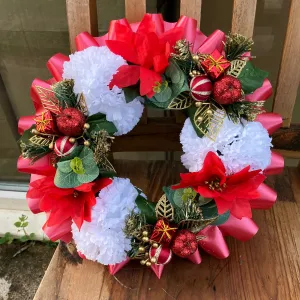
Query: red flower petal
[(241, 208), (148, 80), (172, 36), (223, 205), (123, 33), (146, 25), (85, 187), (126, 50), (101, 184), (125, 76)]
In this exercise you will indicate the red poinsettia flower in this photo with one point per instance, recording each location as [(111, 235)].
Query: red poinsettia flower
[(231, 192), (62, 204), (147, 52)]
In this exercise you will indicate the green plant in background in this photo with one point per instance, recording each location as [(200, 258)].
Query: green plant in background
[(21, 224), (6, 239)]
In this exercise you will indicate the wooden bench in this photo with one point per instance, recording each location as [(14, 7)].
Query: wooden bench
[(266, 267)]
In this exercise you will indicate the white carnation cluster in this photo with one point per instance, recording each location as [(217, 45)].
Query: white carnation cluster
[(238, 145), (92, 70), (103, 239)]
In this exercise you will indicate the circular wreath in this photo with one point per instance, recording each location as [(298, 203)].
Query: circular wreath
[(99, 93)]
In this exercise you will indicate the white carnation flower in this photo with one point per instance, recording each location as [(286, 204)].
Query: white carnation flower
[(103, 239), (238, 145), (92, 70)]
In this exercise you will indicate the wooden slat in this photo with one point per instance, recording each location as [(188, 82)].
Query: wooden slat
[(243, 17), (135, 10), (82, 16), (289, 72), (192, 9), (264, 268)]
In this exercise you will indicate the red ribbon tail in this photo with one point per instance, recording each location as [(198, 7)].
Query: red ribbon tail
[(85, 40), (267, 198), (55, 65), (262, 93), (214, 41), (60, 231), (157, 269), (25, 123), (213, 243), (276, 166), (241, 229), (270, 121), (195, 257), (113, 269)]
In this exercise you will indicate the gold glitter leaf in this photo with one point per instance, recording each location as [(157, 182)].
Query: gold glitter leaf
[(164, 208), (182, 101), (39, 141), (48, 99), (209, 119), (236, 67)]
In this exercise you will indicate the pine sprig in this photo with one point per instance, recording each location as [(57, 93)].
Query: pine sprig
[(63, 91), (33, 152), (236, 45), (246, 110)]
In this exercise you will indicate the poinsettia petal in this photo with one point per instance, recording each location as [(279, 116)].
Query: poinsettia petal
[(47, 202), (146, 25), (125, 76), (242, 175), (57, 216), (124, 49), (101, 183), (222, 205), (241, 208), (148, 80), (206, 192), (122, 32), (160, 62), (144, 49), (85, 187)]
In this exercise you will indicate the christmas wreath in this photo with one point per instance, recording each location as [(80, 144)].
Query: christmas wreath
[(99, 92)]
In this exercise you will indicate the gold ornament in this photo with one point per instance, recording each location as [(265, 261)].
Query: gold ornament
[(148, 264), (142, 262), (86, 143), (191, 74), (51, 146), (164, 209), (86, 126), (48, 99), (198, 104), (145, 233), (236, 67), (200, 119), (196, 58), (155, 245), (153, 260), (40, 141), (34, 131), (141, 249), (194, 72), (72, 140), (146, 254), (209, 112), (145, 239)]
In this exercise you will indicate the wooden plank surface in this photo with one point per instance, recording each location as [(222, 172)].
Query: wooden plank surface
[(289, 72), (267, 267), (82, 16), (135, 10), (192, 9), (243, 17)]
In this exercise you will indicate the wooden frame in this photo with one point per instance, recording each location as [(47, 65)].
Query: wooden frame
[(162, 134)]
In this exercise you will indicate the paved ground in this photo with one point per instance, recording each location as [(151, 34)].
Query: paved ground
[(20, 276)]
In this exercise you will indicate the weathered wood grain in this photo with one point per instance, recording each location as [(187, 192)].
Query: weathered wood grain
[(289, 72), (82, 16), (267, 267), (135, 10), (192, 9), (243, 17)]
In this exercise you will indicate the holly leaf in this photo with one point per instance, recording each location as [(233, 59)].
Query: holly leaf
[(251, 78), (147, 208), (131, 92), (98, 122), (222, 219)]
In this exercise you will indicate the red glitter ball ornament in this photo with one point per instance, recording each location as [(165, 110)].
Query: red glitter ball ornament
[(184, 243), (70, 122), (227, 90)]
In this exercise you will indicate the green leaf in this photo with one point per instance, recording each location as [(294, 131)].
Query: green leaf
[(24, 238), (87, 157), (98, 122), (25, 224), (177, 197), (222, 218), (131, 92), (17, 224), (170, 194), (191, 113), (32, 235), (251, 78), (75, 153), (65, 166), (147, 208), (89, 175), (209, 210), (106, 174), (76, 166), (66, 180)]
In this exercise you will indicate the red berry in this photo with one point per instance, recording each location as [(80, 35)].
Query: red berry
[(227, 90), (184, 243)]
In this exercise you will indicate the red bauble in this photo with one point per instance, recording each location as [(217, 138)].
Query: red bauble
[(63, 146), (201, 87), (184, 243), (70, 122), (162, 254), (227, 90)]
